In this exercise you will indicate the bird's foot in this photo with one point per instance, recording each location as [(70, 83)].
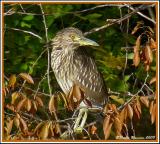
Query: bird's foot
[(80, 121)]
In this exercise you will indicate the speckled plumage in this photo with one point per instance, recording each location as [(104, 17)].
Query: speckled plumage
[(72, 65)]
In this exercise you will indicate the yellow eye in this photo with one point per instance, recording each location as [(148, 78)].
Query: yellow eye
[(72, 36)]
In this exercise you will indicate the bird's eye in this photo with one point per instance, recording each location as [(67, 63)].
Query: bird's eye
[(72, 36)]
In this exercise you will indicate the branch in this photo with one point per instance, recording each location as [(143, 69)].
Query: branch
[(141, 7), (98, 6), (28, 32), (141, 14), (46, 35)]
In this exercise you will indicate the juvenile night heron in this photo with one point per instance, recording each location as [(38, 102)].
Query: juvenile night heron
[(72, 66)]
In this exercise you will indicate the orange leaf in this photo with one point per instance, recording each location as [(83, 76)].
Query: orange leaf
[(106, 123), (153, 44), (138, 106), (152, 80), (28, 104), (136, 111), (12, 81), (145, 100), (39, 100), (148, 54), (136, 58), (118, 126), (34, 104), (24, 124), (153, 114), (108, 130), (151, 107), (51, 104), (20, 104), (93, 129), (27, 77), (130, 111)]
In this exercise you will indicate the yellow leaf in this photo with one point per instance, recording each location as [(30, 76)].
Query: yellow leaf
[(44, 131), (117, 99), (9, 125), (16, 121), (14, 96), (12, 81), (27, 77)]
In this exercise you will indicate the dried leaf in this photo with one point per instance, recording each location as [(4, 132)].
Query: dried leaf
[(123, 115), (145, 100), (24, 124), (34, 104), (51, 104), (153, 44), (77, 93), (27, 77), (28, 104), (136, 111), (153, 114), (16, 121), (106, 123), (136, 58), (118, 126), (14, 96), (138, 106), (108, 130), (130, 111), (10, 107), (9, 125), (12, 81), (93, 129), (57, 128), (38, 127), (153, 80), (139, 24), (151, 107), (39, 100), (20, 104), (51, 128), (117, 99), (44, 131), (148, 54)]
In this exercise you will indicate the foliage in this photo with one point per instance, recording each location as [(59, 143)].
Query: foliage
[(126, 58)]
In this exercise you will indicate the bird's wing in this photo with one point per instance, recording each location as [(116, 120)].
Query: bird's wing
[(89, 78)]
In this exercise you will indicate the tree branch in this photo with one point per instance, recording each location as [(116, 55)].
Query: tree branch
[(141, 7)]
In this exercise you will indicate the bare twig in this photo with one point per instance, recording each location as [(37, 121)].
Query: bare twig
[(28, 32), (47, 40), (141, 14), (142, 7), (96, 7)]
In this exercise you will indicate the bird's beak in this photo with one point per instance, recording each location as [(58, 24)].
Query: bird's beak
[(87, 42)]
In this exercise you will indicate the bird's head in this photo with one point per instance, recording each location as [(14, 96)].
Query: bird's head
[(71, 38)]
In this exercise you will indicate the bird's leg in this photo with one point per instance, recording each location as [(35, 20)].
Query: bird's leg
[(82, 116)]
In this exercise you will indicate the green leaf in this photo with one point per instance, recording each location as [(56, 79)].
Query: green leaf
[(23, 24), (93, 16), (28, 17)]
